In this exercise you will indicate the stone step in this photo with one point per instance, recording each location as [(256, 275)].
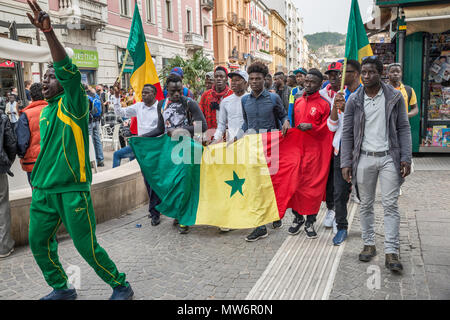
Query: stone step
[(302, 269)]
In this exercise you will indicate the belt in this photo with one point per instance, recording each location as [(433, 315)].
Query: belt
[(375, 154)]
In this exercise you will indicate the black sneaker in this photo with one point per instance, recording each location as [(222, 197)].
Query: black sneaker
[(277, 224), (257, 234), (296, 225), (183, 229), (61, 294), (156, 220), (122, 293), (175, 222), (100, 164), (310, 232)]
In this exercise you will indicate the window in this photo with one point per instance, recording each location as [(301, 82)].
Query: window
[(189, 20), (169, 15), (205, 33), (125, 8), (150, 11)]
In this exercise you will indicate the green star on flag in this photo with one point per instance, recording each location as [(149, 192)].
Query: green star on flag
[(236, 184)]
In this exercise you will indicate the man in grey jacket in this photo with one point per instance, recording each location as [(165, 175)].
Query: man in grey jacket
[(376, 143)]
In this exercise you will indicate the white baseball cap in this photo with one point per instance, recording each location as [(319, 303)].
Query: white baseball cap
[(241, 73)]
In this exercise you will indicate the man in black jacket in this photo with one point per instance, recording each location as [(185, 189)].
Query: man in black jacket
[(7, 156)]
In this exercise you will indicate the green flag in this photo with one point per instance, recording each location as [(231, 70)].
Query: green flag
[(357, 45)]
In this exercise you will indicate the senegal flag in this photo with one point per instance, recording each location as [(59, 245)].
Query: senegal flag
[(144, 71), (357, 45), (242, 185)]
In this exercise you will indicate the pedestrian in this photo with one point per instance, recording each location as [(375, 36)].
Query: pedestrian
[(291, 81), (27, 84), (62, 176), (147, 120), (186, 91), (395, 74), (28, 132), (95, 116), (376, 143), (211, 99), (268, 82), (329, 92), (297, 91), (310, 116), (176, 116), (342, 189), (12, 110), (282, 89), (230, 114), (7, 156), (262, 111)]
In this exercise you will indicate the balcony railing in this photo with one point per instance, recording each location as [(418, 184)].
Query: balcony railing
[(88, 12), (241, 25), (207, 4), (264, 57), (193, 40), (232, 18)]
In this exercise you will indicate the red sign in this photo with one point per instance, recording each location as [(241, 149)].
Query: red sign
[(7, 64)]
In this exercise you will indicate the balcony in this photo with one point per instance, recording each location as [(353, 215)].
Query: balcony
[(193, 41), (263, 57), (241, 25), (91, 13), (207, 4), (232, 18)]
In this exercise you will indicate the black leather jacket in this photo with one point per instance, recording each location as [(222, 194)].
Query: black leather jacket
[(8, 141)]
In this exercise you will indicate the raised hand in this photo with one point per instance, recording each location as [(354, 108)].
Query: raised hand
[(41, 18)]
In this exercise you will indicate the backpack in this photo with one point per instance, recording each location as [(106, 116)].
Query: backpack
[(185, 92), (273, 97), (96, 106)]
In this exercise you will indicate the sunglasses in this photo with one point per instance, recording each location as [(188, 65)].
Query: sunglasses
[(370, 58)]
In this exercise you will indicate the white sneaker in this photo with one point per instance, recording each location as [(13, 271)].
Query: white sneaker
[(335, 229), (225, 229), (400, 192), (329, 218), (7, 254)]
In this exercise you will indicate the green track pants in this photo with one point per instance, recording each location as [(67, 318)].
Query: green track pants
[(75, 211)]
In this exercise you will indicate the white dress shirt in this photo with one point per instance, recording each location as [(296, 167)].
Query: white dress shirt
[(147, 117), (230, 114)]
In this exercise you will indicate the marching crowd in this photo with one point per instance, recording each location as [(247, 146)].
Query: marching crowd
[(362, 132)]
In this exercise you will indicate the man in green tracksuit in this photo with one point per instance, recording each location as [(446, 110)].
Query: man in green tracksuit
[(62, 176)]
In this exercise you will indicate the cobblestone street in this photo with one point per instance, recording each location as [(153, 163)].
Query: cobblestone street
[(160, 263)]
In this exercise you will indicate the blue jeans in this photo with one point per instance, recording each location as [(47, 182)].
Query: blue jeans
[(126, 152), (94, 131)]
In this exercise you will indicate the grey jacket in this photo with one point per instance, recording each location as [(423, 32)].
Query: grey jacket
[(285, 96), (399, 132), (8, 142)]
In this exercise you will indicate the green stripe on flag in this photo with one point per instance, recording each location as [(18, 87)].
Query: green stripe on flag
[(136, 40), (356, 34), (170, 170)]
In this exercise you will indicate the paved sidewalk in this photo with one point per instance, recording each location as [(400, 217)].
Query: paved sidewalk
[(209, 264)]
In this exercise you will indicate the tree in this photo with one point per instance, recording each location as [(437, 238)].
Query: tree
[(194, 70)]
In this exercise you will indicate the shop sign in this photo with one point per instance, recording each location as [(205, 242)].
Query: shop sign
[(85, 58), (7, 64)]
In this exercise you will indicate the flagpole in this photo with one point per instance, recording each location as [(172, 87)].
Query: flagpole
[(124, 61)]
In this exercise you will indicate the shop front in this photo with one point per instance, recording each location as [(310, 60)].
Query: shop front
[(422, 45), (87, 63), (7, 77)]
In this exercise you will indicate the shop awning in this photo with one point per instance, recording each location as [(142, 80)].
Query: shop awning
[(19, 51), (381, 21), (432, 19)]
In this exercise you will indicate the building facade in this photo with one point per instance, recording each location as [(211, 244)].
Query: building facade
[(294, 37), (260, 32), (97, 32), (277, 42)]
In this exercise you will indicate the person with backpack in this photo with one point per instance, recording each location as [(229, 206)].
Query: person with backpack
[(95, 116), (186, 92), (262, 111), (176, 115), (147, 120), (7, 155), (395, 75), (27, 130)]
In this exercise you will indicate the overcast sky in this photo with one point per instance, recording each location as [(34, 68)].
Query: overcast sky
[(329, 15)]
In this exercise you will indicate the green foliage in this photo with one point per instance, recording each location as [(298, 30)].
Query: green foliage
[(194, 70), (321, 39)]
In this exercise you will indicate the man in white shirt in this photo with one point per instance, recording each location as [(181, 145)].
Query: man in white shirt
[(12, 110), (146, 113), (230, 114)]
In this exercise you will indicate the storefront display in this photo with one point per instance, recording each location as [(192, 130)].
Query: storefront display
[(386, 53), (437, 117)]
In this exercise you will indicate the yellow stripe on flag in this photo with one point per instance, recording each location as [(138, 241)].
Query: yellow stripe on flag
[(145, 74), (222, 173), (365, 51)]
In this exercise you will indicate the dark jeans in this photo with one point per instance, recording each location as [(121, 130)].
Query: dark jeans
[(342, 190), (29, 179), (330, 187), (309, 218), (153, 200)]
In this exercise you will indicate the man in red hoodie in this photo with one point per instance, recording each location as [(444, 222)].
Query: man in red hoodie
[(27, 130)]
